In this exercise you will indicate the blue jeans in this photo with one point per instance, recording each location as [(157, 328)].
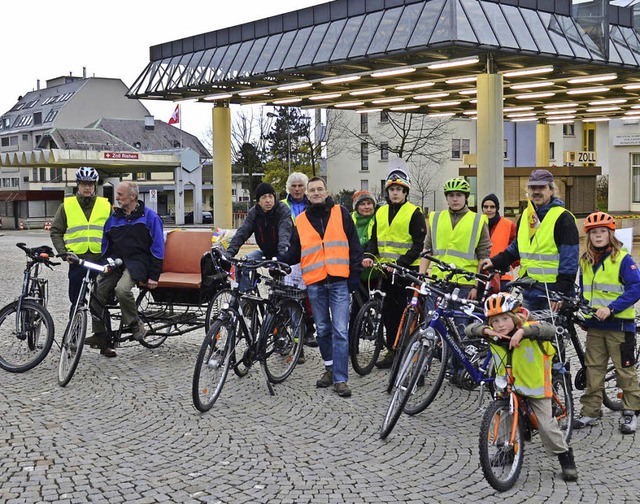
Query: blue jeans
[(330, 306), (244, 283)]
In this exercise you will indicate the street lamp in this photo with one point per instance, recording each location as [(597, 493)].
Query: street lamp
[(272, 115)]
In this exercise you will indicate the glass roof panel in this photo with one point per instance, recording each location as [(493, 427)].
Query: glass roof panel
[(246, 69), (445, 28), (537, 29), (618, 44), (178, 67), (159, 83), (555, 33), (519, 27), (212, 66), (577, 40), (330, 40), (368, 31), (298, 45), (385, 30), (431, 14), (312, 45), (281, 51), (632, 38), (241, 55), (404, 29), (267, 54), (474, 15), (225, 64), (465, 32), (154, 75), (203, 65), (500, 25), (349, 34), (184, 78)]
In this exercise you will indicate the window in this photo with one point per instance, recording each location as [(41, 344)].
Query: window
[(43, 174), (552, 150), (55, 174), (6, 182), (5, 142), (25, 138), (635, 178), (6, 122), (384, 151), (364, 156), (32, 104), (364, 123), (23, 120), (569, 129), (13, 140), (364, 185), (34, 175), (51, 116), (384, 116), (505, 149), (459, 147), (37, 118), (15, 182)]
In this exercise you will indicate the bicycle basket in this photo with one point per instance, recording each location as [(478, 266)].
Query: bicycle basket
[(280, 289)]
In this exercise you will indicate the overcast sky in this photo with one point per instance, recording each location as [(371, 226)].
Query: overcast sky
[(112, 39)]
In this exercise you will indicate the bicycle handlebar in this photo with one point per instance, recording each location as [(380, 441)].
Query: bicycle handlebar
[(101, 268), (253, 264), (41, 254), (454, 270)]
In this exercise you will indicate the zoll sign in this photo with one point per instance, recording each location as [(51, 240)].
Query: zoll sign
[(121, 155), (580, 157)]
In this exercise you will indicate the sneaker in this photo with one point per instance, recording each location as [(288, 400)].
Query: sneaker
[(138, 330), (342, 389), (386, 361), (629, 422), (302, 359), (582, 421), (309, 339), (326, 380)]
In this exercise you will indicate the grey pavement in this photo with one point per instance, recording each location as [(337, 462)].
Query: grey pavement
[(125, 430)]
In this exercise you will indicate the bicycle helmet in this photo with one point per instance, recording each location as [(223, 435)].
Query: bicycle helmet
[(503, 302), (599, 219), (457, 185), (87, 174), (398, 177)]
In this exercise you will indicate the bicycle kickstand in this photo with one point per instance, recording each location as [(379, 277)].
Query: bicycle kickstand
[(269, 385)]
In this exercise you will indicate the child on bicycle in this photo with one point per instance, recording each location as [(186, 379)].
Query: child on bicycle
[(531, 360), (610, 282)]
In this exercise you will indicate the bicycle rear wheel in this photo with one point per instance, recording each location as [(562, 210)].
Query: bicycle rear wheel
[(366, 337), (562, 404), (500, 460), (432, 374), (413, 362), (213, 363), (407, 326), (71, 348), (25, 342), (281, 339)]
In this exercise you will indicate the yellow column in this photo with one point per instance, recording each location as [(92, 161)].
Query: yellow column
[(490, 134), (222, 204), (542, 143)]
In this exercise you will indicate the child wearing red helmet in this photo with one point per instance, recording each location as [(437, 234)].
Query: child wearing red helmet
[(610, 282), (531, 360)]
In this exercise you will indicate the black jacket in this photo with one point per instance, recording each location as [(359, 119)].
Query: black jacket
[(272, 230)]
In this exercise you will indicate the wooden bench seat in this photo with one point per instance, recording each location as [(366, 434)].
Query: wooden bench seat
[(183, 252)]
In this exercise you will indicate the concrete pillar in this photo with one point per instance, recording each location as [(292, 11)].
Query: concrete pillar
[(222, 204), (542, 143), (490, 133)]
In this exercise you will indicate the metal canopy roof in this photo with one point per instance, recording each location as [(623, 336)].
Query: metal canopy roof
[(411, 55)]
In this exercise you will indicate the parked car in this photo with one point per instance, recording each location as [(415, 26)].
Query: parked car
[(207, 218)]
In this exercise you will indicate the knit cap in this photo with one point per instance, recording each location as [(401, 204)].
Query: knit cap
[(263, 189), (492, 197), (360, 196)]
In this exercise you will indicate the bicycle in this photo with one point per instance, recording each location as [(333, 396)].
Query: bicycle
[(76, 330), (571, 314), (509, 421), (26, 326), (233, 342), (424, 362)]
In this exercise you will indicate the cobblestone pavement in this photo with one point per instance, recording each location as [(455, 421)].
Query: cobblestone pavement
[(125, 430)]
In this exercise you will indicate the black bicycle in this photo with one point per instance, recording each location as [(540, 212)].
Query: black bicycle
[(26, 327)]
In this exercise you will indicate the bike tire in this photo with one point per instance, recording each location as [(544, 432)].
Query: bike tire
[(433, 375), (212, 364), (215, 306), (501, 466), (71, 347), (243, 348), (367, 337), (27, 347), (154, 337), (413, 361), (407, 326), (281, 339), (562, 404)]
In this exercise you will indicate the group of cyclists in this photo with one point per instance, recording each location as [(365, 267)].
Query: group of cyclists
[(336, 251)]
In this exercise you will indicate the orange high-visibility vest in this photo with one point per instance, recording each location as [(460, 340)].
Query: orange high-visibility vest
[(325, 256), (500, 240)]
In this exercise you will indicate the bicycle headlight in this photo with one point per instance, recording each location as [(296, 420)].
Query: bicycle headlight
[(500, 383)]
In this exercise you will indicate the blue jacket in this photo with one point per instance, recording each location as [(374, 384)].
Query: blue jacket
[(137, 239)]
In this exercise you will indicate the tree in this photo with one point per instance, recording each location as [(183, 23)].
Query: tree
[(423, 182), (249, 165)]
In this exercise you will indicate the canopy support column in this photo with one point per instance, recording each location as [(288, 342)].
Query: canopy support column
[(222, 201), (542, 143)]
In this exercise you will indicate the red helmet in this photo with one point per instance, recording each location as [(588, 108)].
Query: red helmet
[(599, 219), (503, 302)]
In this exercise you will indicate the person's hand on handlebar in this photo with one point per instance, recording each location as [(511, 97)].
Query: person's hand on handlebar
[(367, 263), (486, 264)]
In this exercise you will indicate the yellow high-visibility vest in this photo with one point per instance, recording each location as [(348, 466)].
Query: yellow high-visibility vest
[(395, 240), (84, 235)]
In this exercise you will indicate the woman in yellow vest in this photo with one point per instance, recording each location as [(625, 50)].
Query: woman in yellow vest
[(610, 281), (531, 361)]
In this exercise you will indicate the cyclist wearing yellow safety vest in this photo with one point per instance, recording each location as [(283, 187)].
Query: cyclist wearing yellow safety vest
[(78, 224), (397, 236), (457, 236), (547, 243), (610, 282), (326, 245)]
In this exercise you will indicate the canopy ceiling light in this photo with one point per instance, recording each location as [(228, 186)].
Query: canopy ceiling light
[(444, 104), (593, 78), (368, 111), (287, 101), (600, 89), (522, 114), (561, 121), (524, 119), (532, 85), (404, 107), (529, 71), (253, 92), (388, 100), (329, 96), (415, 85), (340, 80), (460, 80), (442, 114), (612, 101), (517, 109), (468, 92), (534, 96), (562, 118), (454, 63), (560, 112), (349, 104), (470, 112), (214, 97), (630, 87), (393, 71), (366, 91), (431, 96), (595, 119), (298, 85), (560, 105)]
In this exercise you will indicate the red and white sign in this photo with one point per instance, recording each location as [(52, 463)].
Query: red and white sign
[(175, 117), (121, 155)]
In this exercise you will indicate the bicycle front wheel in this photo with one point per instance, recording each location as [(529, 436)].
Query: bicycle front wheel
[(281, 339), (219, 299), (366, 337), (71, 348), (407, 326), (432, 375), (501, 460), (562, 404), (25, 338), (413, 361), (213, 363)]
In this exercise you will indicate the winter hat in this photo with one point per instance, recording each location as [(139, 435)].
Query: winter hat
[(360, 196), (263, 189), (492, 197)]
